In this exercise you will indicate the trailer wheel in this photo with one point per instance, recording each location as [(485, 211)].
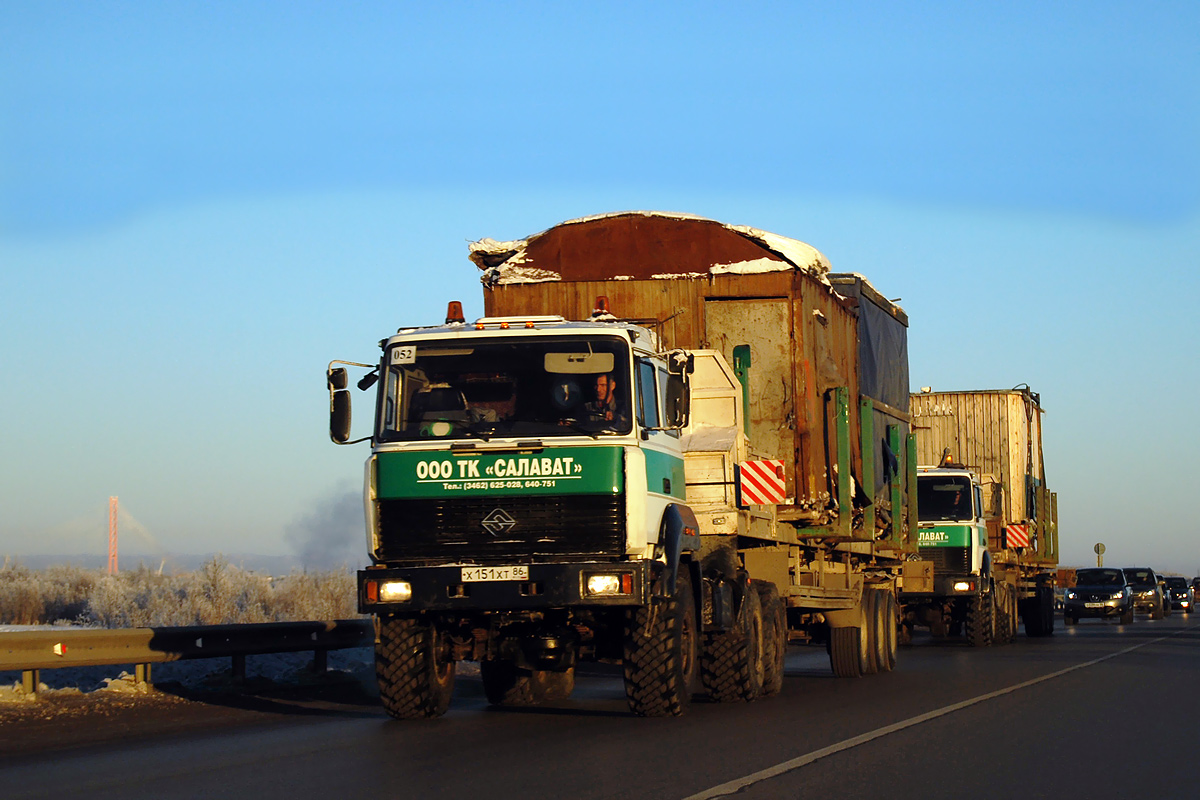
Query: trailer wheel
[(1031, 615), (845, 652), (505, 684), (775, 637), (416, 680), (661, 653), (981, 619), (872, 630), (886, 636), (731, 663), (1046, 603), (552, 687)]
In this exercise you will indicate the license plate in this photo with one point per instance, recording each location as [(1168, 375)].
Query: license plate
[(478, 574), (1093, 605)]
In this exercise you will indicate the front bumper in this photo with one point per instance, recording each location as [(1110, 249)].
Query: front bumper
[(442, 588), (1145, 603), (1096, 608), (944, 586)]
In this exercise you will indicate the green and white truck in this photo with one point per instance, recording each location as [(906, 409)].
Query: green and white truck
[(682, 492), (987, 522)]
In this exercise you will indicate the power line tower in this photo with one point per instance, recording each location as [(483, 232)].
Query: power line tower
[(112, 536)]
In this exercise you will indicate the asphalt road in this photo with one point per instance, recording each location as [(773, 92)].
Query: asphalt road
[(1096, 711)]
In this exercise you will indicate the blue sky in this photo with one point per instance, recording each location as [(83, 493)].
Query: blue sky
[(202, 204)]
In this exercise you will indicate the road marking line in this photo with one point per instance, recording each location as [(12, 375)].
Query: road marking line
[(738, 784)]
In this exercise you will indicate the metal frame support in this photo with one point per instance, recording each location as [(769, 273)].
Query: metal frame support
[(741, 369), (866, 435), (31, 681), (845, 495), (141, 673), (238, 667), (320, 662), (894, 492), (1054, 525), (911, 481)]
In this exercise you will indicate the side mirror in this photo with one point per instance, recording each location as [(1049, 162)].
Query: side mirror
[(678, 401), (339, 405)]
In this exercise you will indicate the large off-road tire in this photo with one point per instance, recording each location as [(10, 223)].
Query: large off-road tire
[(731, 663), (1006, 622), (661, 653), (416, 680), (504, 684), (981, 620), (774, 637)]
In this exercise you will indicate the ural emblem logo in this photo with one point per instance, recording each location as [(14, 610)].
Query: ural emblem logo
[(498, 522)]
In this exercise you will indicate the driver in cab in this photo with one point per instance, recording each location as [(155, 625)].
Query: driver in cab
[(605, 407)]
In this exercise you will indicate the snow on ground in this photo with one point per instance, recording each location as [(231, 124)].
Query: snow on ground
[(201, 673)]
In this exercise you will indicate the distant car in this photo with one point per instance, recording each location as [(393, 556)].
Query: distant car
[(1195, 587), (1099, 592), (1147, 592), (1182, 595), (1168, 607)]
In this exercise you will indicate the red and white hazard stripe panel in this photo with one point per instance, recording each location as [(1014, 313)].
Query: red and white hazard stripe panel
[(762, 482), (1017, 535)]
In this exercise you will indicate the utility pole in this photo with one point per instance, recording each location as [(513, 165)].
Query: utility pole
[(112, 536)]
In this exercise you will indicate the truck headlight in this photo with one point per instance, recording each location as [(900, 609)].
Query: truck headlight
[(963, 586), (1071, 595), (395, 592), (609, 583)]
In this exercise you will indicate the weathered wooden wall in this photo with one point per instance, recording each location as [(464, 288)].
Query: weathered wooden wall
[(803, 336), (998, 434)]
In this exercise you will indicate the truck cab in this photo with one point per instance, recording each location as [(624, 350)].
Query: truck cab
[(952, 533), (525, 494), (952, 537)]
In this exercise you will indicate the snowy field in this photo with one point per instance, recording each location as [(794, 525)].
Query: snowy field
[(280, 668)]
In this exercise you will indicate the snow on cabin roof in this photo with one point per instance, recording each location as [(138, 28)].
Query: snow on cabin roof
[(510, 262)]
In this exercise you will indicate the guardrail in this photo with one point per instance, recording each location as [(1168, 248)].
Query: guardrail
[(32, 651)]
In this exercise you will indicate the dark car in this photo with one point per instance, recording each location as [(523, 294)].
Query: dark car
[(1099, 593), (1182, 595), (1147, 592)]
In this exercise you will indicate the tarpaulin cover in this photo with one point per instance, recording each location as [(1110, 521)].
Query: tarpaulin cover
[(882, 360)]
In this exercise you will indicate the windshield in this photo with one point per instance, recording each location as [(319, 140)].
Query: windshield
[(534, 386), (1099, 577), (1142, 577), (1178, 583), (943, 498)]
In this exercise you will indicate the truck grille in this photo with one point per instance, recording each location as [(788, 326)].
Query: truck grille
[(483, 529), (947, 560)]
